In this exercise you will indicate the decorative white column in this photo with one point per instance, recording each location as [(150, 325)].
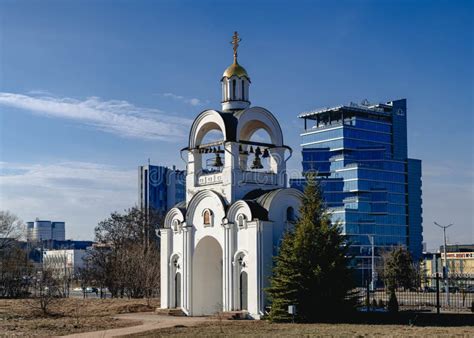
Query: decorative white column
[(187, 269), (227, 268), (259, 267), (165, 253)]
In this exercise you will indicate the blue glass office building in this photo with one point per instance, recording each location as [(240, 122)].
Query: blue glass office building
[(160, 188), (359, 152)]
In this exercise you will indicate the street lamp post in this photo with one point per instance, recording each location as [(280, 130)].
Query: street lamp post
[(445, 266), (372, 281)]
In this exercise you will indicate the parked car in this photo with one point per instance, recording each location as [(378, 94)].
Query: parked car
[(90, 289), (452, 289), (429, 289), (469, 289)]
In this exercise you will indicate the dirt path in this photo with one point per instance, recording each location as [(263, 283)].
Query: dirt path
[(149, 321)]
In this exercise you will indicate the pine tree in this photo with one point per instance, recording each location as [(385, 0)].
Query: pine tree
[(311, 270), (399, 269)]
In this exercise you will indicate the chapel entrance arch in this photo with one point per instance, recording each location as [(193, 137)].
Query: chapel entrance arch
[(207, 277)]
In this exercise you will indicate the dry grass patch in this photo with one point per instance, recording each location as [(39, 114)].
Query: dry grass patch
[(72, 315), (267, 329)]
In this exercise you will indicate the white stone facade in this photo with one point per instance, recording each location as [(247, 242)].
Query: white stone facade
[(217, 248)]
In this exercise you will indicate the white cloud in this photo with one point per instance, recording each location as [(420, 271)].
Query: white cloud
[(115, 116), (79, 193), (192, 101)]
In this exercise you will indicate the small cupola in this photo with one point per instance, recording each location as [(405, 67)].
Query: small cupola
[(235, 83)]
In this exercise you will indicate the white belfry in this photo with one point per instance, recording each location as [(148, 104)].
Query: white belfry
[(217, 247)]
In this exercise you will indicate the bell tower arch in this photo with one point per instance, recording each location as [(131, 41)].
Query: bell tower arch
[(236, 163)]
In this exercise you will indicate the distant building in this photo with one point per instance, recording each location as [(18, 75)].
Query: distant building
[(460, 258), (460, 265), (64, 262), (359, 153), (39, 230), (160, 188), (35, 249)]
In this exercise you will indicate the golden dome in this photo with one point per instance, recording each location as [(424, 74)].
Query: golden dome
[(235, 69)]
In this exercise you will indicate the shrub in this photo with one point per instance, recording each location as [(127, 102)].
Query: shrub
[(392, 302)]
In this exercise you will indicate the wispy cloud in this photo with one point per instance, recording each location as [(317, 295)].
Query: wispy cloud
[(192, 101), (115, 116), (79, 193)]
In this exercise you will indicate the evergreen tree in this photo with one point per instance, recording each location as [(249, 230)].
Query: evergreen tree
[(399, 269), (311, 270)]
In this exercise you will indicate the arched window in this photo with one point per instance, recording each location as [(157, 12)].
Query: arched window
[(175, 225), (233, 89), (207, 217), (240, 220), (224, 90), (243, 90), (290, 214)]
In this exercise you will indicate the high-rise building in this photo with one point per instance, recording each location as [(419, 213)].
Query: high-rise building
[(160, 188), (41, 230), (359, 154)]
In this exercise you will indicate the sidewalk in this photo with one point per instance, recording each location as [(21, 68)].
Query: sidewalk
[(149, 321)]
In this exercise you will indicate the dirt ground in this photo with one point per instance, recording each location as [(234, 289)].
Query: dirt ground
[(72, 315), (18, 317), (266, 329)]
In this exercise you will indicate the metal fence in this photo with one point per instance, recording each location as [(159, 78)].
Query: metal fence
[(430, 296)]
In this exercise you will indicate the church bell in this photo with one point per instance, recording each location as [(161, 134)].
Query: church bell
[(257, 163), (217, 161)]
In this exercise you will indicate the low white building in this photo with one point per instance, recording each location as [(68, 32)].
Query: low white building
[(64, 262), (217, 246)]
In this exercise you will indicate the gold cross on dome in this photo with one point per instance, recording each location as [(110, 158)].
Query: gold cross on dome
[(235, 41)]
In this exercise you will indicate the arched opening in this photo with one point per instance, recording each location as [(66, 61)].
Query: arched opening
[(224, 89), (241, 220), (243, 291), (290, 215), (233, 90), (177, 290), (207, 277), (211, 152), (257, 157)]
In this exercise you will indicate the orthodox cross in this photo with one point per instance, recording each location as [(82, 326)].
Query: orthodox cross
[(235, 41)]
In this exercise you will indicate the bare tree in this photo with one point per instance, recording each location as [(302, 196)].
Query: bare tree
[(151, 274), (126, 259), (11, 229), (15, 273), (47, 292), (14, 265)]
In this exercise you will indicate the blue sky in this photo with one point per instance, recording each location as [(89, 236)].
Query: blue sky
[(89, 90)]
